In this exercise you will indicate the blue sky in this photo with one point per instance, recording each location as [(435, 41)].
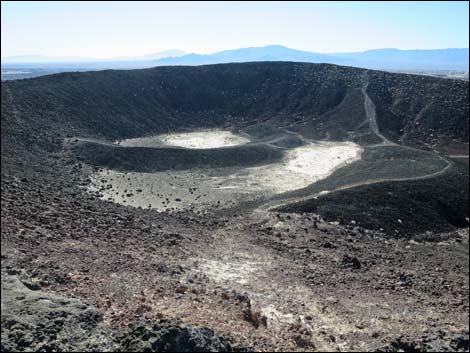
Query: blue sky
[(110, 29)]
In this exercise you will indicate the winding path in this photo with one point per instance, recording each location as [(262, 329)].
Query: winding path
[(270, 206), (9, 96), (371, 113), (371, 116)]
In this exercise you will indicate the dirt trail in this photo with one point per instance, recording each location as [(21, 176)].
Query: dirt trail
[(279, 302), (300, 297), (9, 96), (272, 205), (371, 112), (372, 119)]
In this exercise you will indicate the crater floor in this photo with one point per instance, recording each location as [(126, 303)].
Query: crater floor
[(202, 189), (198, 140)]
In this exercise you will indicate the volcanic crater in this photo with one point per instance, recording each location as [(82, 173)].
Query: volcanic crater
[(287, 206)]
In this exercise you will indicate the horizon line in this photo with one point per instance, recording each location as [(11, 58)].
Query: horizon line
[(122, 57)]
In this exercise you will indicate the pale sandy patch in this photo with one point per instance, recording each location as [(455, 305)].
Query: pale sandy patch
[(203, 139), (301, 167), (205, 189)]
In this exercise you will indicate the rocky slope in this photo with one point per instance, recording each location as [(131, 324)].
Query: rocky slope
[(119, 104), (108, 274), (36, 321)]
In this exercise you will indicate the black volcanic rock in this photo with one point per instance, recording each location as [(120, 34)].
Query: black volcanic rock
[(129, 262), (174, 336), (37, 321), (33, 320), (122, 104), (150, 159), (436, 204)]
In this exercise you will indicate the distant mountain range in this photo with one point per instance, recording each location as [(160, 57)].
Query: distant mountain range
[(155, 56), (439, 59), (385, 59), (29, 59)]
